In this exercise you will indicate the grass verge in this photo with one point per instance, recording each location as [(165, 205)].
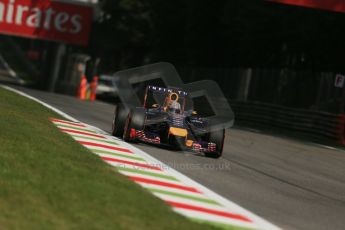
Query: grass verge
[(48, 181)]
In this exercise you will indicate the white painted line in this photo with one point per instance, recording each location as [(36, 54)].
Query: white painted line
[(191, 202), (105, 148), (213, 218), (81, 129), (123, 157), (131, 163), (77, 135), (325, 146), (146, 170), (148, 177), (93, 140), (178, 191)]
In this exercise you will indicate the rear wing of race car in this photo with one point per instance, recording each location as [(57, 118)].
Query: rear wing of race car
[(167, 90)]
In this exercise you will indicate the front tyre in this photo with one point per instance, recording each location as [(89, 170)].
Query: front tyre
[(135, 121), (216, 137), (119, 120)]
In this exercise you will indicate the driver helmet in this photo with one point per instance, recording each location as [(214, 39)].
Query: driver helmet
[(173, 104)]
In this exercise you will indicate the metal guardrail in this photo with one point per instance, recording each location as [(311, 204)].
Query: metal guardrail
[(312, 123)]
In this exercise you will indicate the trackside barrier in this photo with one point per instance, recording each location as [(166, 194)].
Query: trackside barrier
[(341, 128), (312, 123)]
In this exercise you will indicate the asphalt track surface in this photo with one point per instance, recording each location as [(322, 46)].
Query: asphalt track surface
[(292, 184)]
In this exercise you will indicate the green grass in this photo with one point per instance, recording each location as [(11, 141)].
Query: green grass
[(49, 181)]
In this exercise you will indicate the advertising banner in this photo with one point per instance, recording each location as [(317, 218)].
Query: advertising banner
[(332, 5), (45, 19)]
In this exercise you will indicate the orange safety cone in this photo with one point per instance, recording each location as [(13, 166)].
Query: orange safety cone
[(88, 94), (82, 88), (93, 88)]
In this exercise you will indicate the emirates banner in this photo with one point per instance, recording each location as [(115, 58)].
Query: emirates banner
[(332, 5), (45, 19)]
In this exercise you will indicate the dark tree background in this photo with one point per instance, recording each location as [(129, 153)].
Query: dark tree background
[(279, 54), (218, 34), (293, 53)]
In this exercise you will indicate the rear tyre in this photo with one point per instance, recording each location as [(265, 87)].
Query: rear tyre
[(216, 137), (135, 120), (119, 120)]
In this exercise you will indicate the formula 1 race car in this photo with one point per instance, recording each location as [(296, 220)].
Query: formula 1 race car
[(163, 120)]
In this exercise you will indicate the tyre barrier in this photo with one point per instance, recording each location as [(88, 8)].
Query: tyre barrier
[(307, 122)]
